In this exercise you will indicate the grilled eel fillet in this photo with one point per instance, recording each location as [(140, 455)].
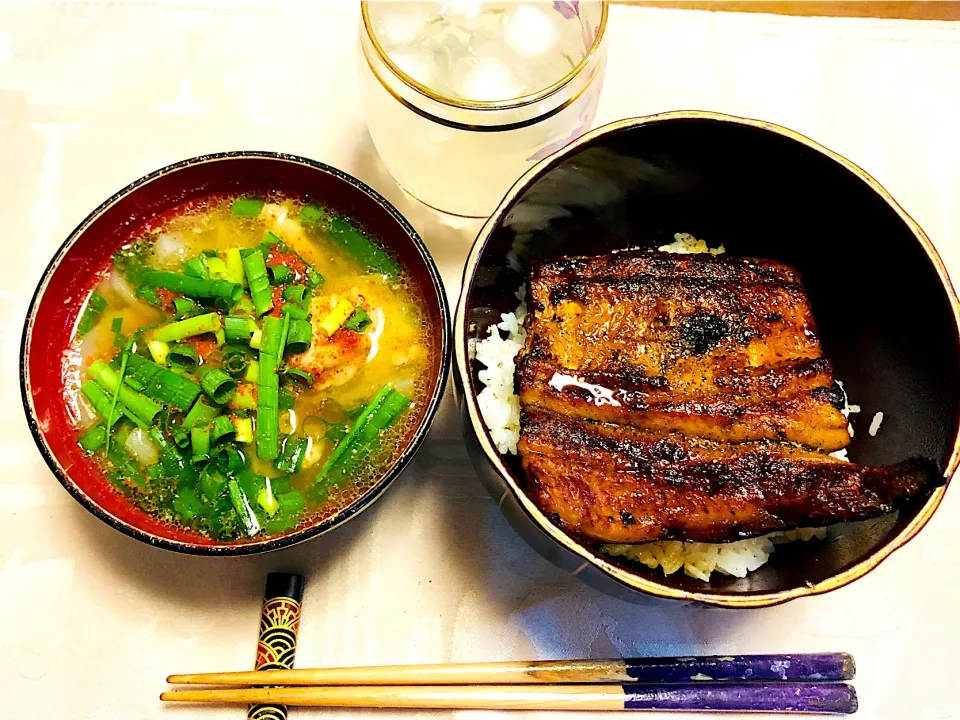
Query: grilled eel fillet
[(624, 485), (718, 354)]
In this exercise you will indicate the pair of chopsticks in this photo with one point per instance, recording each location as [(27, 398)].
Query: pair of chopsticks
[(811, 683)]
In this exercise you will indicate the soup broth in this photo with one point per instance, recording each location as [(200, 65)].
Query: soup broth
[(248, 366)]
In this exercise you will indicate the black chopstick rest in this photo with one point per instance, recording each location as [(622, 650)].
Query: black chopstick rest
[(277, 644)]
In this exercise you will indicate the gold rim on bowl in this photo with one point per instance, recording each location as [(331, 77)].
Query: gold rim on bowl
[(620, 574)]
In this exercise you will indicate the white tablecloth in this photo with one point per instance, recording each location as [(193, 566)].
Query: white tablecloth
[(95, 94)]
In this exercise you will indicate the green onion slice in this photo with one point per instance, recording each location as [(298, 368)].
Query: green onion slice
[(217, 385), (247, 206)]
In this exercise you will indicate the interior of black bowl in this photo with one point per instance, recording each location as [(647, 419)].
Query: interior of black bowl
[(885, 315)]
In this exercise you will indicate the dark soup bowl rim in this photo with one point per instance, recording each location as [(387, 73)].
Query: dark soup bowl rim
[(310, 531), (590, 556)]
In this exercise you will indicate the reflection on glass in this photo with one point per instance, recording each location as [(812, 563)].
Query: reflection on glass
[(462, 97)]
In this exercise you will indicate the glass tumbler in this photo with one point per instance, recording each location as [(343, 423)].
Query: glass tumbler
[(462, 97)]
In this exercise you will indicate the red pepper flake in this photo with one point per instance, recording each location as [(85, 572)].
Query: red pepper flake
[(203, 344), (277, 302), (166, 298), (288, 259)]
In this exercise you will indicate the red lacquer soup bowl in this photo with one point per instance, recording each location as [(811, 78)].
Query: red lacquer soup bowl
[(86, 254)]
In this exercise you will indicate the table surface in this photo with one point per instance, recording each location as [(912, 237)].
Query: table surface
[(93, 95)]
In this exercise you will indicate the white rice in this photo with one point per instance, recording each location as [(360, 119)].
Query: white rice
[(687, 244), (499, 404), (875, 424), (500, 408)]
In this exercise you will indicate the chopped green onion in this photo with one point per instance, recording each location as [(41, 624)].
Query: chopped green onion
[(101, 402), (251, 526), (267, 501), (286, 400), (217, 269), (291, 503), (279, 274), (190, 327), (193, 287), (297, 294), (220, 337), (281, 484), (243, 306), (149, 295), (314, 279), (244, 428), (294, 311), (93, 439), (253, 372), (218, 386), (268, 419), (182, 355), (116, 325), (96, 304), (268, 429), (299, 336), (238, 329), (159, 351), (196, 267), (272, 341), (247, 206), (181, 439), (297, 377), (230, 460), (162, 384), (211, 483), (235, 361), (354, 413), (124, 358), (200, 440), (234, 265), (270, 239), (312, 214), (336, 433), (336, 317), (183, 306), (200, 414), (358, 424), (222, 430), (187, 505), (358, 321), (171, 460), (140, 405), (246, 397), (360, 246), (377, 416), (251, 483), (256, 339), (291, 459), (256, 273)]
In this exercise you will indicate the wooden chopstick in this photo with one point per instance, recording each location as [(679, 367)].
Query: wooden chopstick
[(783, 697), (818, 667)]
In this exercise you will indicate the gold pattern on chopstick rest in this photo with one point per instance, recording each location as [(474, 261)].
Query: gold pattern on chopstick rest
[(267, 712), (279, 623)]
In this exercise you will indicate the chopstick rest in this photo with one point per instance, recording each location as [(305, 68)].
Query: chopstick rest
[(277, 643)]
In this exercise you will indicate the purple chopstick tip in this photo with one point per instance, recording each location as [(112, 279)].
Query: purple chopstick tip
[(798, 668), (829, 699)]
